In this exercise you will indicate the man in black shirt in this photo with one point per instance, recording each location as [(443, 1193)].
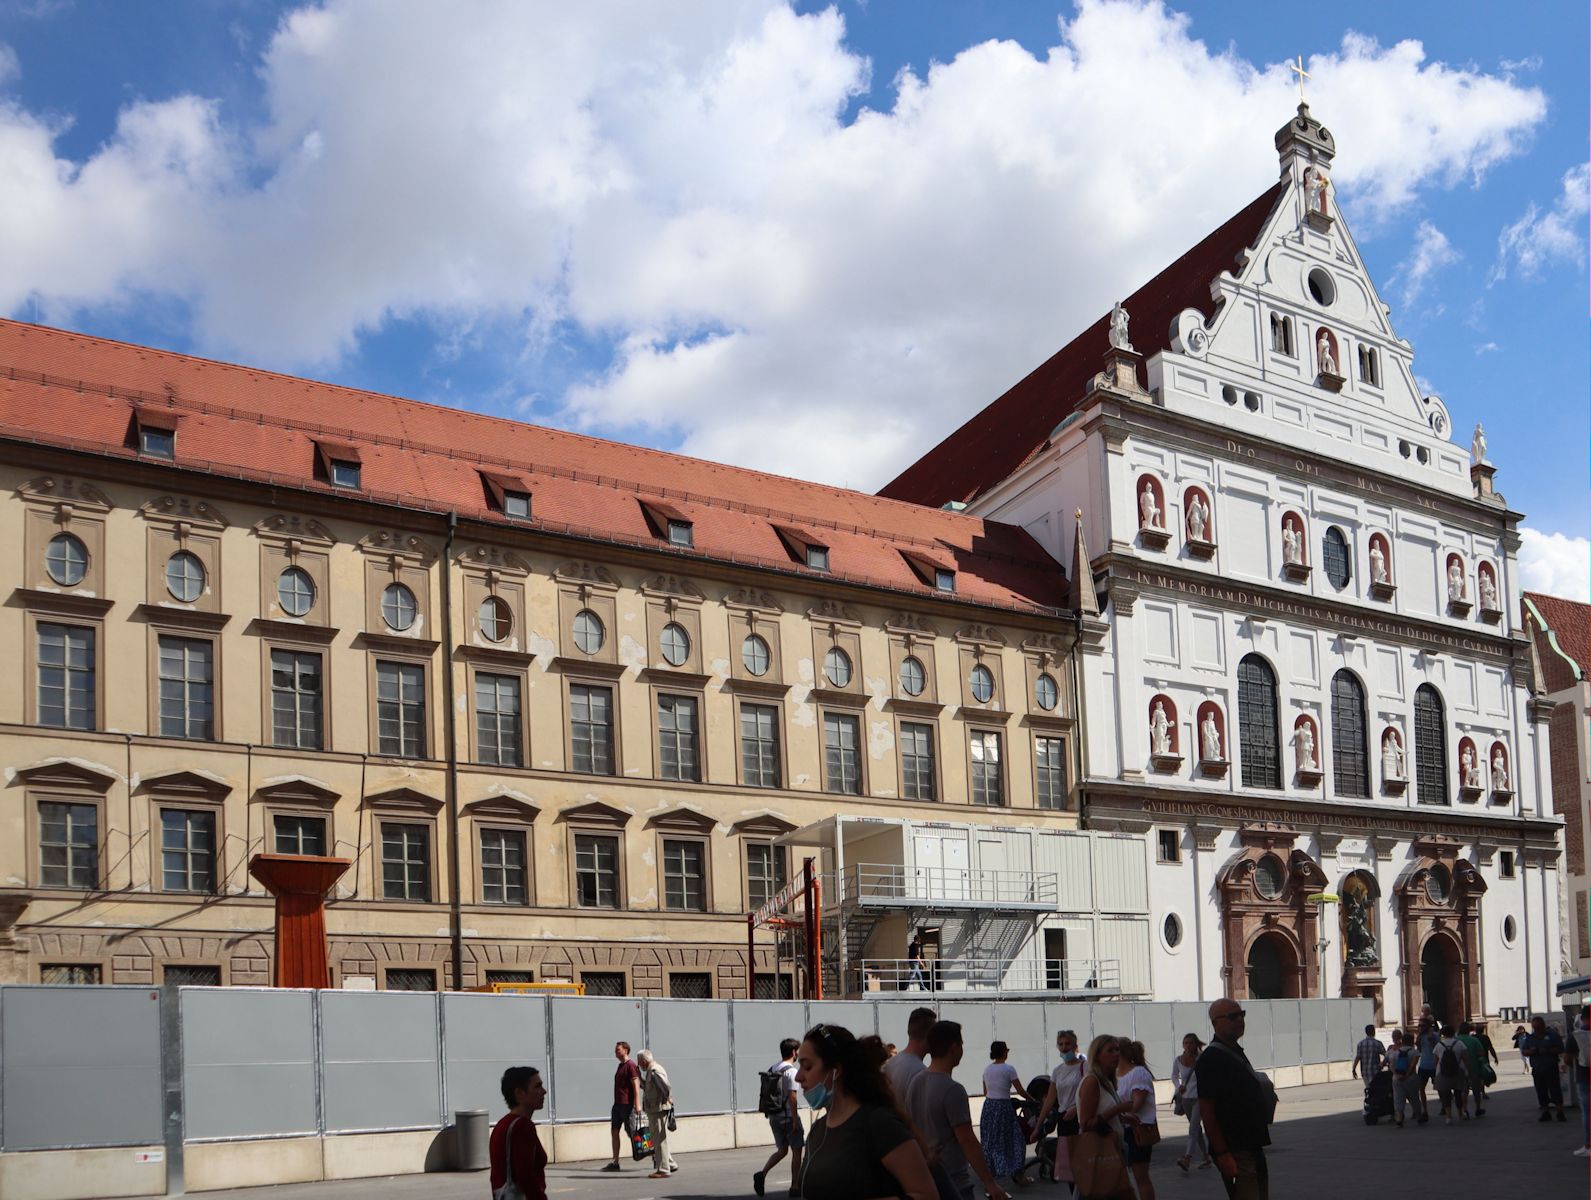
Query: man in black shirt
[(1235, 1105)]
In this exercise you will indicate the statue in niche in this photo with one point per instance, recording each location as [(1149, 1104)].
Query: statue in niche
[(1471, 768), (1362, 949), (1323, 354), (1315, 185), (1148, 508), (1500, 772), (1292, 544), (1477, 446), (1392, 755), (1488, 590), (1304, 746), (1210, 737), (1455, 582), (1198, 518), (1160, 729), (1378, 564), (1118, 329)]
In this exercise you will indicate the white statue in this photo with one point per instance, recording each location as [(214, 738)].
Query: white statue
[(1198, 518), (1378, 564), (1149, 510), (1455, 582), (1499, 771), (1210, 737), (1292, 544), (1118, 329), (1472, 771), (1323, 354), (1304, 741), (1160, 729), (1488, 591), (1477, 445), (1392, 755), (1315, 184)]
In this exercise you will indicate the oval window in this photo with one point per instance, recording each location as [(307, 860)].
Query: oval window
[(1510, 930), (1268, 877), (1046, 692), (1172, 931), (588, 630), (837, 667), (676, 644), (185, 576), (398, 607), (982, 681), (496, 618), (1438, 884), (66, 560), (1334, 558), (295, 591), (754, 654), (1322, 288), (913, 679)]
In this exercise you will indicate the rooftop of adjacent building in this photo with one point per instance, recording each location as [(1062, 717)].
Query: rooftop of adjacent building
[(1562, 629)]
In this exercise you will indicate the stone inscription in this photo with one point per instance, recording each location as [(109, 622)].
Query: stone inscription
[(1238, 812)]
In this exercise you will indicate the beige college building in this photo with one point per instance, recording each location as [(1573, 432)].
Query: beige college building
[(584, 705)]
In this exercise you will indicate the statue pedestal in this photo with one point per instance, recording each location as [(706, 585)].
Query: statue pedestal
[(1367, 982), (300, 884)]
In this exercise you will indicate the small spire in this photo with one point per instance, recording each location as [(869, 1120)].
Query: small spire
[(1084, 598)]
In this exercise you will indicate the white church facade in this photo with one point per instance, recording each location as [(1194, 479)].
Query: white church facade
[(1303, 672)]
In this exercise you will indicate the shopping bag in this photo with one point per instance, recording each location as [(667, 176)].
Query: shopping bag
[(1099, 1166), (641, 1143)]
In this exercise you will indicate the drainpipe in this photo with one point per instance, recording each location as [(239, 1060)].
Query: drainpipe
[(451, 785)]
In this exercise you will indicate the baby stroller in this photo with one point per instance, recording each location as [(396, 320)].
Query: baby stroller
[(1378, 1097), (1027, 1113)]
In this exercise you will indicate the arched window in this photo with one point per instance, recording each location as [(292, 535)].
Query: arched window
[(1430, 746), (1350, 753), (1256, 715), (1334, 557)]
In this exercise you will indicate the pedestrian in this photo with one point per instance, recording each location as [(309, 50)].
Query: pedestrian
[(943, 1115), (890, 1051), (1452, 1075), (862, 1146), (1004, 1144), (1491, 1050), (914, 963), (626, 1099), (517, 1158), (1237, 1104), (1062, 1098), (1101, 1110), (1368, 1056), (1581, 1038), (1542, 1048), (905, 1065), (789, 1136), (1405, 1063), (1136, 1086), (657, 1102), (1185, 1101), (1475, 1054), (1520, 1034), (1425, 1041)]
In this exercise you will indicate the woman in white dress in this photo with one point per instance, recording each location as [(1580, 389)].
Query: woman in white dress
[(1136, 1086), (1187, 1098)]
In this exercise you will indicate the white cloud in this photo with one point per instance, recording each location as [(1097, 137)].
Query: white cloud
[(10, 66), (1555, 563), (1431, 252), (784, 290), (1487, 348), (1542, 239)]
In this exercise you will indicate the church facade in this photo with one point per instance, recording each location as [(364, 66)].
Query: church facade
[(1303, 676)]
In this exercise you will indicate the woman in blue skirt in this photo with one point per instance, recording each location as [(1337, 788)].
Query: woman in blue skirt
[(1004, 1143)]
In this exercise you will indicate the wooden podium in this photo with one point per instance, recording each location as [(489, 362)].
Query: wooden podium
[(300, 884)]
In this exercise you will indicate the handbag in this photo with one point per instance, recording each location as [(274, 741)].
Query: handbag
[(671, 1126), (1145, 1135), (641, 1143), (1179, 1105), (510, 1190), (1098, 1166)]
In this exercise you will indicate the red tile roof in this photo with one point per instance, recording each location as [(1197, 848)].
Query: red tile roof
[(78, 392), (993, 444), (1569, 626)]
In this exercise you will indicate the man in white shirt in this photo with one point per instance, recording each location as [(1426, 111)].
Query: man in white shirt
[(789, 1135), (907, 1064)]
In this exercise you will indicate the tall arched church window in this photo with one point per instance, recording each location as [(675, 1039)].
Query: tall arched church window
[(1430, 746), (1350, 753), (1256, 714), (1334, 557)]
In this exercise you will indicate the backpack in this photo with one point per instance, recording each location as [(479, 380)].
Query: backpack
[(510, 1189), (1400, 1062), (1448, 1064), (770, 1093)]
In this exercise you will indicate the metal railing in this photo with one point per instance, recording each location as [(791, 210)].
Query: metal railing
[(894, 885), (1066, 976)]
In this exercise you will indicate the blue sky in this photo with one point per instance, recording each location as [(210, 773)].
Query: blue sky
[(807, 239)]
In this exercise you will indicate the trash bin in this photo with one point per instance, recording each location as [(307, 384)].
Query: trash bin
[(470, 1134)]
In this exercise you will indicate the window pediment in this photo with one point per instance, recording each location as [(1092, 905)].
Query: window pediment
[(60, 772), (289, 528), (181, 511), (503, 807), (596, 813), (672, 585), (62, 491), (403, 799), (682, 820), (753, 600), (765, 824), (196, 785), (980, 635), (587, 575), (830, 613), (298, 789), (398, 547), (490, 560)]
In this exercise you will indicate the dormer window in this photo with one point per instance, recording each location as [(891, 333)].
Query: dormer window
[(339, 464), (681, 533), (516, 505), (344, 474), (818, 558), (508, 494), (157, 443), (944, 581), (931, 569), (669, 523), (804, 546)]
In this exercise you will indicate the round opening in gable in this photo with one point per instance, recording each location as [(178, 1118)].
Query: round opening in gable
[(1229, 393), (1422, 454), (1322, 289), (1251, 401)]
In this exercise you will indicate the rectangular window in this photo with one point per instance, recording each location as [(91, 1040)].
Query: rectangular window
[(157, 443), (684, 875), (68, 845), (773, 987), (1170, 845), (1049, 754), (677, 749), (591, 729), (187, 687), (411, 979), (759, 745), (987, 784), (191, 975), (680, 533), (596, 871), (516, 505), (818, 558), (765, 873), (294, 834), (917, 761), (497, 719), (842, 761), (510, 977), (187, 850), (344, 474), (690, 985), (296, 699), (405, 862), (400, 709), (944, 581), (503, 877), (74, 973), (66, 676), (603, 983), (1505, 864)]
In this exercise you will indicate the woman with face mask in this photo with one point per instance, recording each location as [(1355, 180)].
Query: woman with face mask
[(862, 1147), (1062, 1097)]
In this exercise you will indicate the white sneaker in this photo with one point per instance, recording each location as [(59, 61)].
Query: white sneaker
[(1583, 1152)]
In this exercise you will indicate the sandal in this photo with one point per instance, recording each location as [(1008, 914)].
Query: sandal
[(658, 1175)]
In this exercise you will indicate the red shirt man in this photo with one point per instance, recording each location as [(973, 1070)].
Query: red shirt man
[(514, 1139)]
